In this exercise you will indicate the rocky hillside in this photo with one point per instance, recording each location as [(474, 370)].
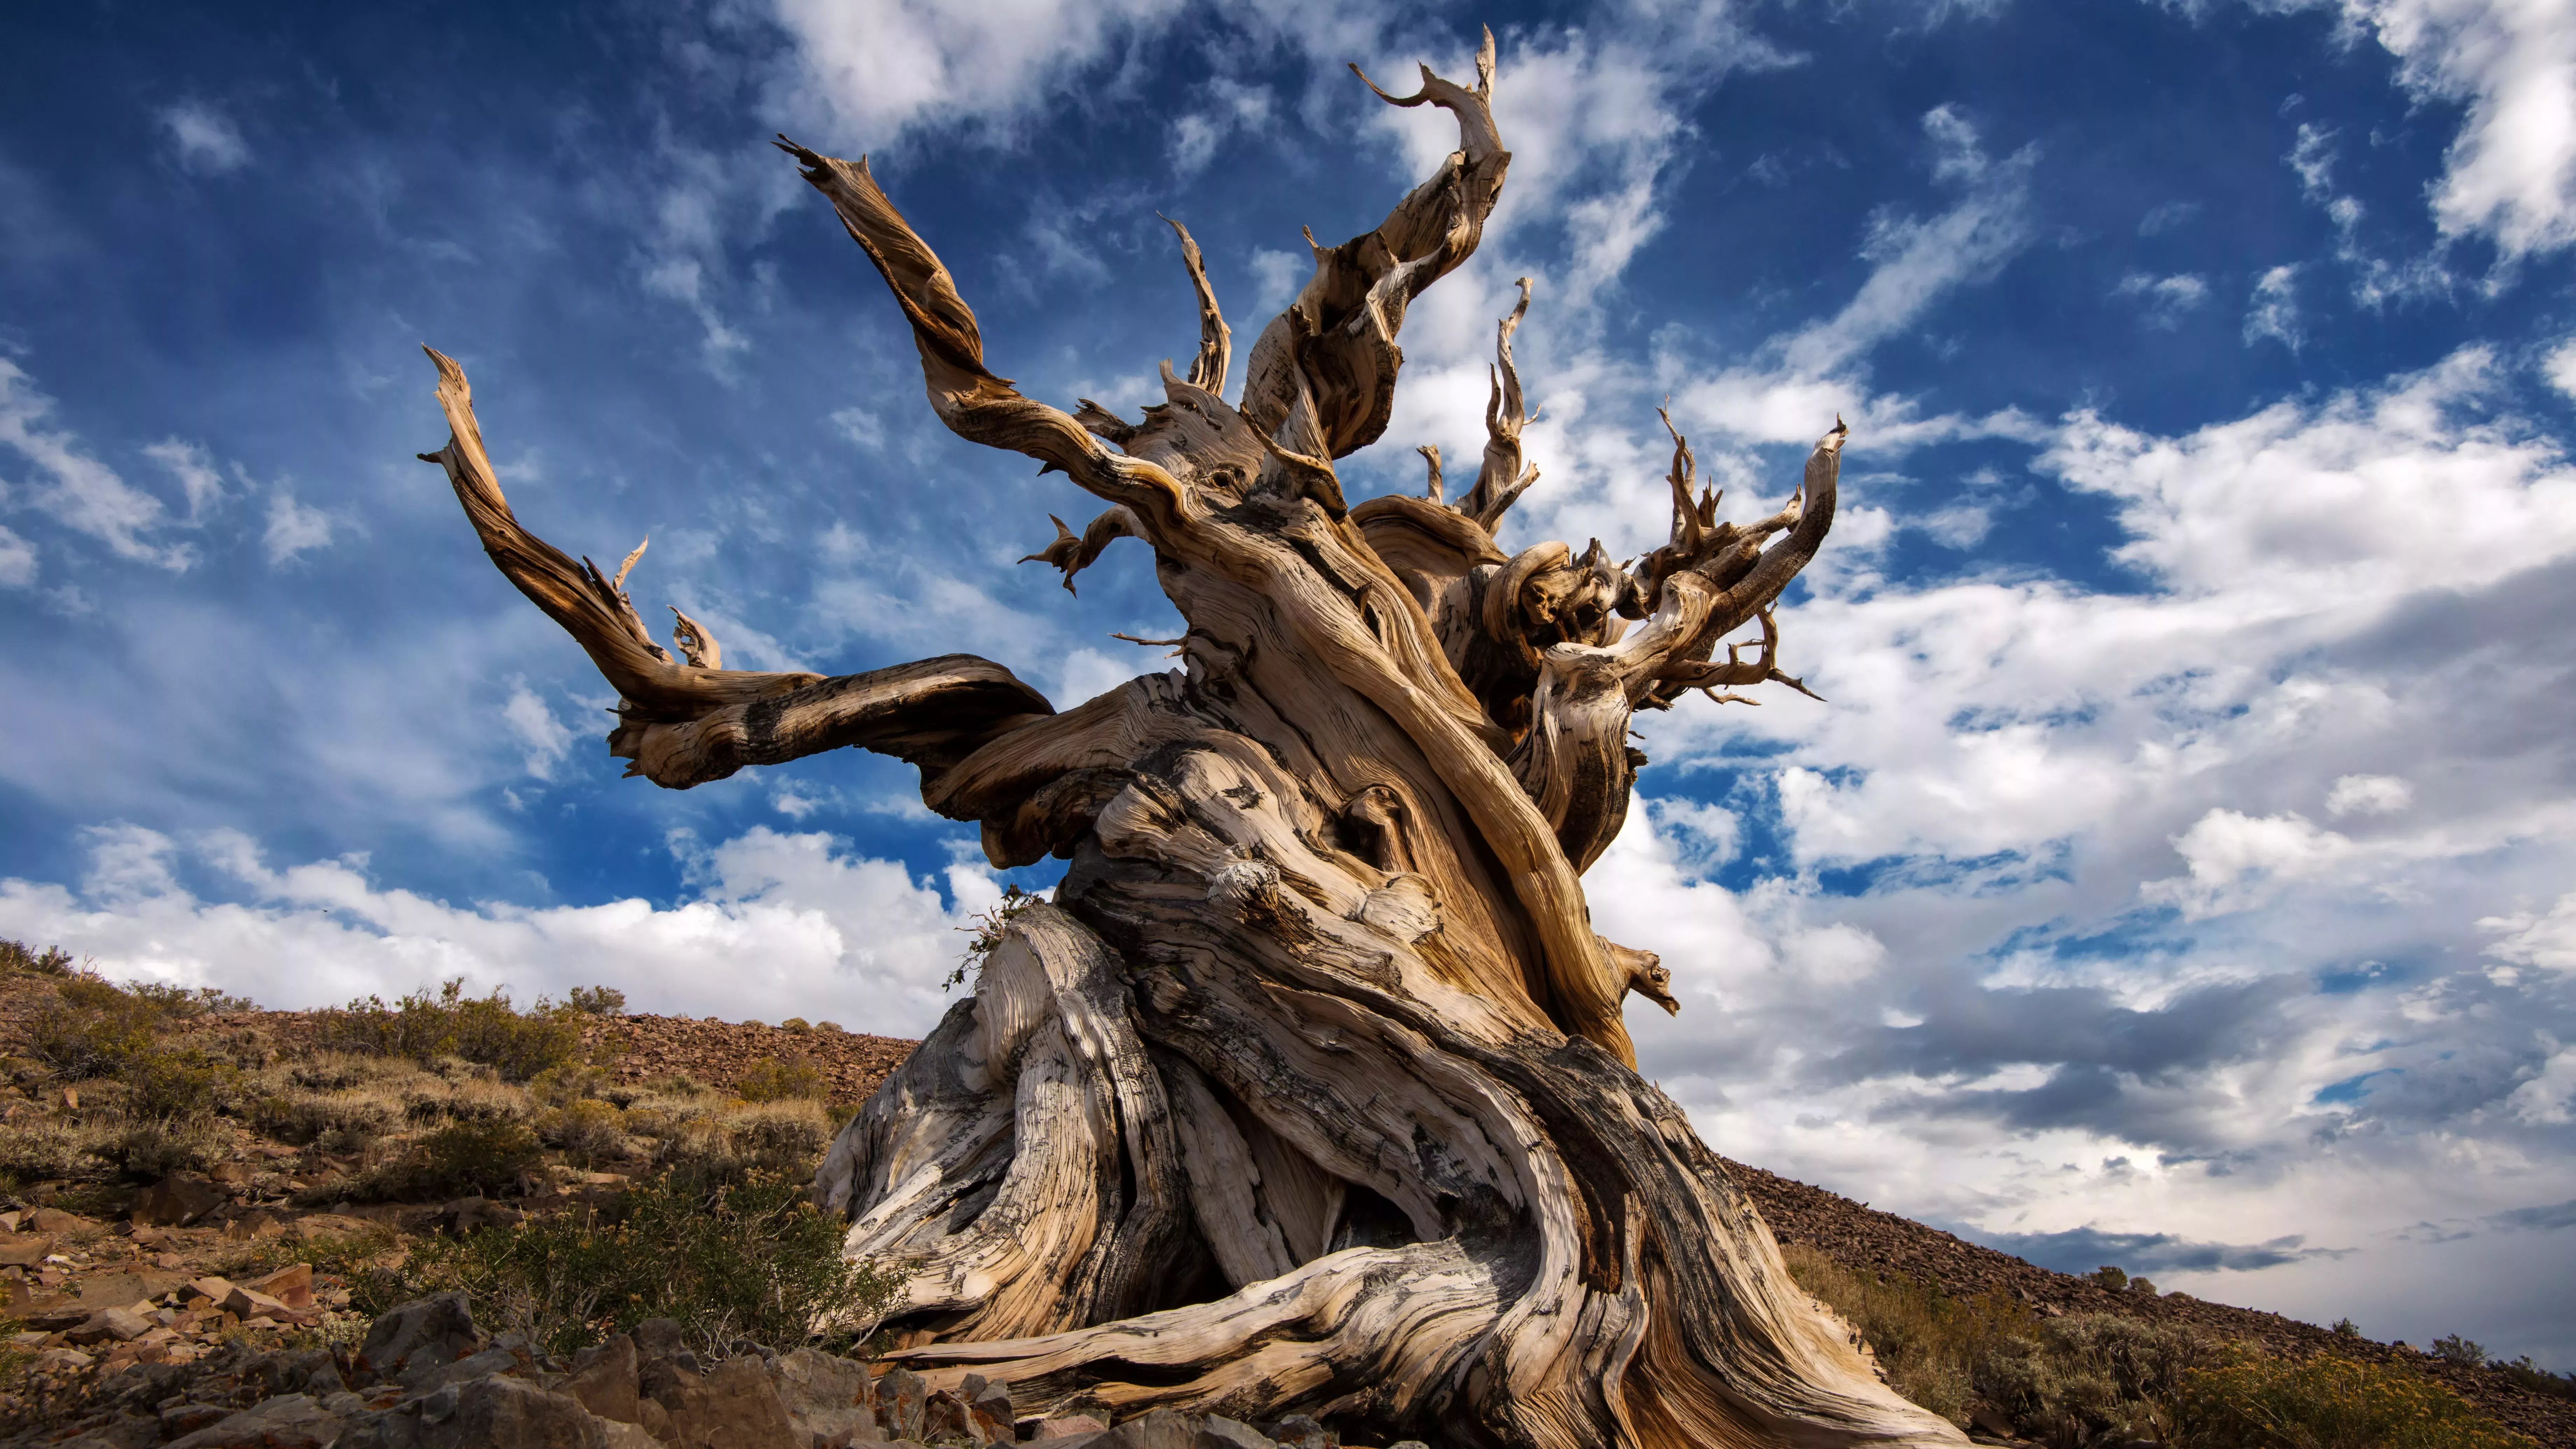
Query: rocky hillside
[(190, 1182)]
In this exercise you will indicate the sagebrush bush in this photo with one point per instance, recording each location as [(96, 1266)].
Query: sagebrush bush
[(561, 1086), (487, 1030), (1931, 1345), (2094, 1378), (772, 1080), (587, 1131), (34, 1148), (148, 1148), (339, 1122), (750, 1260), (2326, 1402)]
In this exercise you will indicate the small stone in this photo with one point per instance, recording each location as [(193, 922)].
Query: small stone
[(181, 1420), (55, 1220), (292, 1286), (1067, 1426), (211, 1288), (1299, 1431), (901, 1396)]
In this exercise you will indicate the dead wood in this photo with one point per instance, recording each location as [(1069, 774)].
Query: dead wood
[(1308, 1090)]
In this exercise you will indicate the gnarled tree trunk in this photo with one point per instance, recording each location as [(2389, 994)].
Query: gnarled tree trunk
[(1308, 1091)]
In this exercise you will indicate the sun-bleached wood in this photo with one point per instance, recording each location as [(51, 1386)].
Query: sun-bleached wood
[(1308, 1090)]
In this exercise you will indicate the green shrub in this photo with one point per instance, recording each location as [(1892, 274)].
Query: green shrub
[(461, 1159), (771, 1080), (486, 1030), (2327, 1402), (2537, 1379), (177, 1082), (749, 1260), (2346, 1328), (17, 959), (2111, 1278), (596, 1000), (2460, 1351)]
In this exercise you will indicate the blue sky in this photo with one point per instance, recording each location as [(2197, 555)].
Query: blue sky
[(2178, 875)]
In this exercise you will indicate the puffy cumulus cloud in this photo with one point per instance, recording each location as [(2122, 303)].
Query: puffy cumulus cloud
[(2195, 921), (2511, 172), (803, 926)]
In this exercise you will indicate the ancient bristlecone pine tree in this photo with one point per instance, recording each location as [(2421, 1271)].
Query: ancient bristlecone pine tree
[(1308, 1091)]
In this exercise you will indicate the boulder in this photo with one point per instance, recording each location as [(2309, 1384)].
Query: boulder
[(23, 1250), (1298, 1431), (418, 1338), (901, 1397), (731, 1406), (292, 1422), (826, 1397), (1219, 1432), (178, 1200), (1068, 1426), (180, 1420), (55, 1220), (603, 1379), (945, 1419), (486, 1413)]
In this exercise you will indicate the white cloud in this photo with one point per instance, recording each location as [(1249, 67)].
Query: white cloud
[(199, 483), (1229, 107), (2560, 368), (805, 928), (2511, 172), (545, 737), (78, 491), (881, 66), (2369, 795), (293, 527), (860, 426), (2549, 1095), (2166, 298), (1818, 371), (2275, 309), (2233, 858), (17, 561), (2527, 940), (205, 138)]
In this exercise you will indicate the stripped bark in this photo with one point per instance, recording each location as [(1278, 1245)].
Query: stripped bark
[(1309, 1088)]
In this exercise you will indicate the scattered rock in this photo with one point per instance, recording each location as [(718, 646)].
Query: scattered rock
[(55, 1220), (901, 1397), (177, 1201), (180, 1420), (121, 1324), (827, 1398), (292, 1286), (23, 1250), (603, 1379), (418, 1338), (466, 1214), (1298, 1431), (292, 1422), (1068, 1426), (485, 1413), (732, 1406)]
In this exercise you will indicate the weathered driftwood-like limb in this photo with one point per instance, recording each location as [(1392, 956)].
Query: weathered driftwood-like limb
[(1309, 1089)]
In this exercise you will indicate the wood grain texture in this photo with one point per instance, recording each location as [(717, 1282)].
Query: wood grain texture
[(1308, 1090)]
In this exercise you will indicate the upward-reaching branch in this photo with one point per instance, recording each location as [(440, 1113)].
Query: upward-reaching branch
[(1506, 474), (1216, 341), (591, 607), (1335, 344)]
